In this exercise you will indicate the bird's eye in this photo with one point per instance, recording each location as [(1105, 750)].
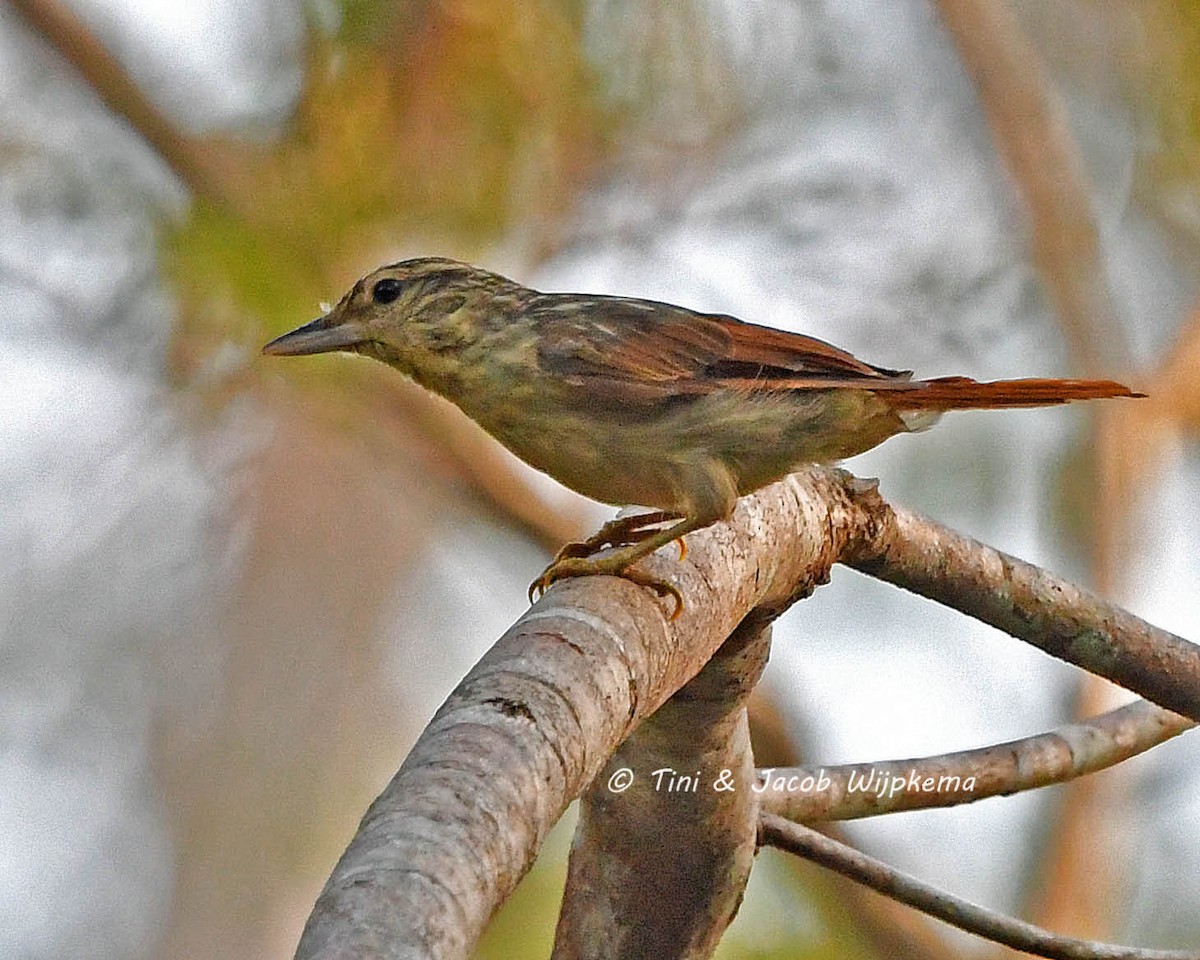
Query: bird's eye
[(386, 290)]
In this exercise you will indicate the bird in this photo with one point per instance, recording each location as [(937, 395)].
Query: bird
[(639, 402)]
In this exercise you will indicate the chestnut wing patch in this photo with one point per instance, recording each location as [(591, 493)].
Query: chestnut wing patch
[(643, 350)]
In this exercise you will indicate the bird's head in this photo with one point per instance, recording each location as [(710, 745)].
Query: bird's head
[(406, 312)]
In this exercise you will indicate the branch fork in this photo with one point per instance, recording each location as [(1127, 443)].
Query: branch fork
[(596, 678)]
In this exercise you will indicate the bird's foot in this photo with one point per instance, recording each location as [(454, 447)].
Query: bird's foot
[(633, 541), (622, 532), (565, 567)]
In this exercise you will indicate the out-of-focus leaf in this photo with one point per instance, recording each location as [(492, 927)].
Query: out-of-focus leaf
[(1166, 71)]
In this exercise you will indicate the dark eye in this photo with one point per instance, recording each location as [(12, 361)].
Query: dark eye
[(386, 290)]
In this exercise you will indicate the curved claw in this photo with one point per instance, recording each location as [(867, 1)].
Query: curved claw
[(661, 587), (561, 568), (542, 583)]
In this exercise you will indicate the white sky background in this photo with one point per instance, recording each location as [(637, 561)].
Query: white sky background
[(217, 64), (865, 207)]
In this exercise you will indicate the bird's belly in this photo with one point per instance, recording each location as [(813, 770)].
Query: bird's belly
[(696, 456), (605, 461)]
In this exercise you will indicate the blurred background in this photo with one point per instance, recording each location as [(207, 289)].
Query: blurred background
[(233, 589)]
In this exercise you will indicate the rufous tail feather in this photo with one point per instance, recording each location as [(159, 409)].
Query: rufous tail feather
[(963, 393)]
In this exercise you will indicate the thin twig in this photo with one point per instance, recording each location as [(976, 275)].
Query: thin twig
[(888, 928), (851, 791), (989, 924)]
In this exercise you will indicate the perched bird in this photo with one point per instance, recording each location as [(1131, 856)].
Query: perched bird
[(637, 402)]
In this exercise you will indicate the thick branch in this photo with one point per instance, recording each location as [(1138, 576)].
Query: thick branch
[(808, 843), (846, 792), (538, 717), (668, 831), (1029, 603)]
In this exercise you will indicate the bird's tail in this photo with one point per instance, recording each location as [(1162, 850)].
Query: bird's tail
[(963, 393)]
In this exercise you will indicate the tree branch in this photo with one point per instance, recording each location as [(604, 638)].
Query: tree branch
[(1028, 603), (667, 833), (196, 161), (539, 716), (989, 924), (850, 791)]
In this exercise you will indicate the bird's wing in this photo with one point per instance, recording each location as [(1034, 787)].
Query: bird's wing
[(615, 351), (643, 350)]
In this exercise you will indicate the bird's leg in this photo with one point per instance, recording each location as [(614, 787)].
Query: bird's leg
[(615, 533), (617, 562)]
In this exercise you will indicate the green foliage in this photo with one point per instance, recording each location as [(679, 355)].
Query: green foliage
[(219, 255), (363, 21), (1168, 74)]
